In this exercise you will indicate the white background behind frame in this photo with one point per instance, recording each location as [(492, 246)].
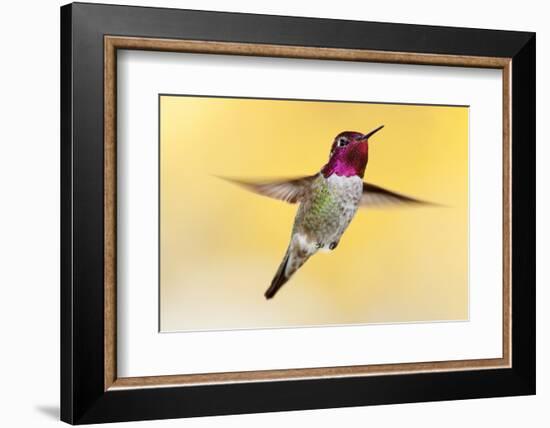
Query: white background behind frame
[(142, 351)]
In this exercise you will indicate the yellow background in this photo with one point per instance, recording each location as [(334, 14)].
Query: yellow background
[(220, 245)]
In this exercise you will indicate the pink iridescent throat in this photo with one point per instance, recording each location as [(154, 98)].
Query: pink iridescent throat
[(348, 161)]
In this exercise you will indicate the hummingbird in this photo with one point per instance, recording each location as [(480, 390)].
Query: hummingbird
[(328, 201)]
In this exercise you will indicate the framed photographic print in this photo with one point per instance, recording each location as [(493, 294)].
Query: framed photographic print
[(265, 213)]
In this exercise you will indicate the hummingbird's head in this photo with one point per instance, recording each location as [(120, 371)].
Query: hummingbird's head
[(349, 154)]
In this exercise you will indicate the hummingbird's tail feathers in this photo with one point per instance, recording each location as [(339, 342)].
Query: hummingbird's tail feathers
[(296, 255), (279, 279)]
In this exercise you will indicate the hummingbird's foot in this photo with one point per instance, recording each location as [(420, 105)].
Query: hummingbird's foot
[(333, 245)]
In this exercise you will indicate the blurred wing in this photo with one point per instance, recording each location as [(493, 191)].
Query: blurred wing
[(288, 190), (376, 196)]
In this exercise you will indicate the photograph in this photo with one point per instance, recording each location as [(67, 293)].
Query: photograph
[(295, 213)]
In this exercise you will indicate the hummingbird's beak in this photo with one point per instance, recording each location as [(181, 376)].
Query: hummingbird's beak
[(371, 133)]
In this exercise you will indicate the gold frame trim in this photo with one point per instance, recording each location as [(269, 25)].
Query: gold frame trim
[(112, 43)]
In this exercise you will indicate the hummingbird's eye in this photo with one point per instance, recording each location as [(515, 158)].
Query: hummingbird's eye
[(342, 141)]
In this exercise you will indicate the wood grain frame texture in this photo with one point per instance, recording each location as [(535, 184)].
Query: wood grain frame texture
[(113, 43)]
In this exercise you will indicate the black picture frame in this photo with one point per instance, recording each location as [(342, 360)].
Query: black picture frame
[(83, 396)]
